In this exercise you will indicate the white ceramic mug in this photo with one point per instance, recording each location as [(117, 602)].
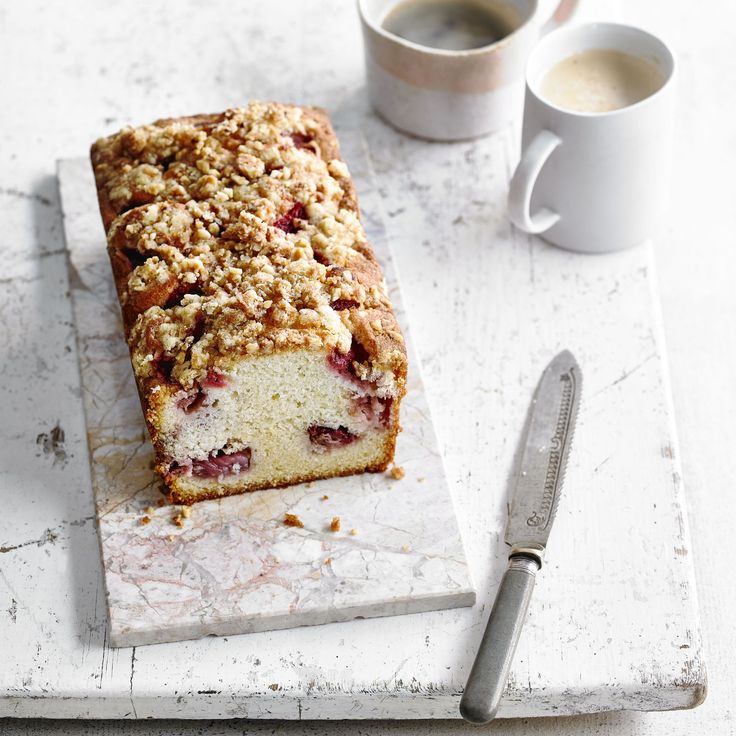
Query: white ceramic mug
[(594, 181), (452, 95)]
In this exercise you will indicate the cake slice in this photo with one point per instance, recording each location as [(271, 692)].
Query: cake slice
[(263, 342)]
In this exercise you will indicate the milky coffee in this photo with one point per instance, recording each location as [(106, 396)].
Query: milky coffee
[(600, 80)]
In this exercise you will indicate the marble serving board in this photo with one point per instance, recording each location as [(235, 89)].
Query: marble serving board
[(232, 566)]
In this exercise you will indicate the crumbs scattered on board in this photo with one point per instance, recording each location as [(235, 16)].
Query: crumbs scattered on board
[(397, 472), (293, 520), (184, 513)]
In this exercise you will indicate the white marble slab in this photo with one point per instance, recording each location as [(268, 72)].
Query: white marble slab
[(233, 566)]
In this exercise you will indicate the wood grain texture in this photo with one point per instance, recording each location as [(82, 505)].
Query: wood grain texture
[(694, 254)]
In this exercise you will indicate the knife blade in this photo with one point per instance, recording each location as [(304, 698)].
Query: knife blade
[(534, 503)]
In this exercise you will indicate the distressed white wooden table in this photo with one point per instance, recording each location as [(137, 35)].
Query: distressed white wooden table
[(91, 86), (613, 624)]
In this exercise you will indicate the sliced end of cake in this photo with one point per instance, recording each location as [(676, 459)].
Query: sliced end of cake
[(274, 420)]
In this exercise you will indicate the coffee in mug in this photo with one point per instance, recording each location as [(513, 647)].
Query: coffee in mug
[(453, 25), (600, 80)]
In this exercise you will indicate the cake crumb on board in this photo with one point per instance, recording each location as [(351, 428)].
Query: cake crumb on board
[(293, 520), (145, 520), (397, 472), (353, 532), (335, 524)]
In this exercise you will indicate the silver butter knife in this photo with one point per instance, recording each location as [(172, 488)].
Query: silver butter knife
[(538, 485)]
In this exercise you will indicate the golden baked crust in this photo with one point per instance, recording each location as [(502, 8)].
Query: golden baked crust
[(239, 234), (180, 496)]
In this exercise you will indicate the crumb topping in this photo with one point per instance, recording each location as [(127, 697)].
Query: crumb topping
[(237, 234), (293, 520), (397, 472)]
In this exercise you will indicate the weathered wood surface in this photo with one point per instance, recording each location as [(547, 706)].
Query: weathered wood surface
[(695, 257), (613, 623)]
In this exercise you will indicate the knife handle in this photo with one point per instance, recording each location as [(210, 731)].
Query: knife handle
[(492, 663)]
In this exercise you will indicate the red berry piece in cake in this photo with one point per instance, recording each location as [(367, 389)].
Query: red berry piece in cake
[(339, 304), (286, 222), (329, 437), (214, 380), (217, 464), (301, 140), (195, 398), (375, 409), (341, 363), (193, 401)]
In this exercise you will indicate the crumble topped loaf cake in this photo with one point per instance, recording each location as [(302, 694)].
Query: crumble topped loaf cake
[(263, 342)]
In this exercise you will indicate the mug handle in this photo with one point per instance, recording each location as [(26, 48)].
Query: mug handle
[(523, 181), (553, 13)]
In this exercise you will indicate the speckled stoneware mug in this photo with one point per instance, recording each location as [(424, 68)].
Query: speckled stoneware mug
[(453, 95)]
